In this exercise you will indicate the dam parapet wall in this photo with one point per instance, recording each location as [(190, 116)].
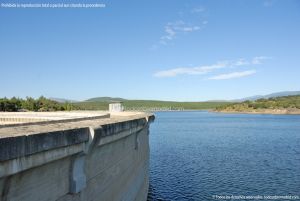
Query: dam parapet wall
[(74, 156)]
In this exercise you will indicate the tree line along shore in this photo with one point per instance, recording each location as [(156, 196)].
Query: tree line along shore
[(277, 105), (41, 104), (44, 104)]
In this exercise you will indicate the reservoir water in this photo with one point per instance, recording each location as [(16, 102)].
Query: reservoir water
[(199, 155)]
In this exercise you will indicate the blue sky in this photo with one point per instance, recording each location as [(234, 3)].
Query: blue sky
[(167, 50)]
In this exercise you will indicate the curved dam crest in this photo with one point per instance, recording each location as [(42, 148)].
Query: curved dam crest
[(74, 157)]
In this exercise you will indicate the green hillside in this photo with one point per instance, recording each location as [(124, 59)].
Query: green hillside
[(278, 103), (291, 103), (44, 104), (151, 105)]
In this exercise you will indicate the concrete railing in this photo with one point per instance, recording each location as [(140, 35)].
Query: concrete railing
[(89, 159)]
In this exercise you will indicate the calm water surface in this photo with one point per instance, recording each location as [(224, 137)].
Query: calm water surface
[(195, 155)]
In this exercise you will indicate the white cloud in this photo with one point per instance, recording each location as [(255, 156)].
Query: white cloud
[(201, 70), (190, 29), (240, 62), (174, 28), (233, 75), (189, 22), (190, 71), (258, 60)]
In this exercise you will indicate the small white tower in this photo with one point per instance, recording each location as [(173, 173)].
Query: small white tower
[(116, 107)]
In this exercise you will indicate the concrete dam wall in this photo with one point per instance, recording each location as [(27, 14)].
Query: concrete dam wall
[(74, 156)]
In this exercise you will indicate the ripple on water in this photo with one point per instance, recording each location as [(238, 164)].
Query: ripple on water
[(195, 155)]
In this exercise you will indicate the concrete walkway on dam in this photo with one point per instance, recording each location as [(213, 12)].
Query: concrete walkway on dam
[(76, 155)]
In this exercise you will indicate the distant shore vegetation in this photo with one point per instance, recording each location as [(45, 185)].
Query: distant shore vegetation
[(291, 103), (151, 105), (41, 104)]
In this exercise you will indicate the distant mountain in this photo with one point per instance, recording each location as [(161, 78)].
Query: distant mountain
[(105, 99), (273, 95), (62, 100)]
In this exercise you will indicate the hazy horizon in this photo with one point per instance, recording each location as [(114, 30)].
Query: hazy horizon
[(80, 100)]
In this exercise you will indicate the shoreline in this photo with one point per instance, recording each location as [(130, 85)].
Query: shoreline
[(264, 111)]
